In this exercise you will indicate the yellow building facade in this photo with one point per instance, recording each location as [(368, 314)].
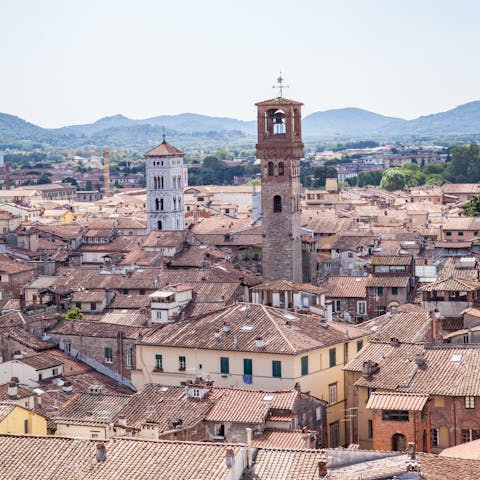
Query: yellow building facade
[(16, 420)]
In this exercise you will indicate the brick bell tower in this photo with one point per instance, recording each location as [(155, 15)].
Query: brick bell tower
[(280, 150)]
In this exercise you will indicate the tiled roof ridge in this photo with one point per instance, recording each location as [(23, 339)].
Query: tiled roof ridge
[(240, 389), (279, 329), (121, 438), (403, 394), (452, 346)]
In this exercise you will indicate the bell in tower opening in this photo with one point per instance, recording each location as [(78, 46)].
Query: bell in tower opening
[(280, 150)]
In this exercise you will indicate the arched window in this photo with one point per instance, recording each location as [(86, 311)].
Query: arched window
[(159, 225), (281, 169), (174, 203), (270, 169), (155, 182), (161, 182), (279, 122), (161, 204), (277, 203), (157, 204)]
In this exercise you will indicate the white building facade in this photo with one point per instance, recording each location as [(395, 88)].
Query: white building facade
[(165, 182)]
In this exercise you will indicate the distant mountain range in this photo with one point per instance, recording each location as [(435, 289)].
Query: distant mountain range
[(192, 129)]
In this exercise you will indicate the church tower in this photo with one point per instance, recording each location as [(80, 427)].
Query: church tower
[(280, 150), (164, 178)]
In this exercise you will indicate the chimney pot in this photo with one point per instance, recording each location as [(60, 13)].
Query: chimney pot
[(230, 458), (101, 452)]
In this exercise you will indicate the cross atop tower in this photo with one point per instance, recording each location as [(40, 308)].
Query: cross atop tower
[(280, 85), (164, 135)]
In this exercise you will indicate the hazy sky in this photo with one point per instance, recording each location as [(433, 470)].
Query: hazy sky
[(65, 62)]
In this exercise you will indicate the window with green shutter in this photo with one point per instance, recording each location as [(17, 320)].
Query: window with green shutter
[(332, 353), (158, 361), (182, 363), (276, 368), (304, 365), (224, 365), (108, 355), (247, 366)]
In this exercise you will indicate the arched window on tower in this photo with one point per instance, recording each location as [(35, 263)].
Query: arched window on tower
[(270, 169), (174, 203), (279, 127), (277, 203), (155, 183), (161, 182), (281, 169), (161, 204), (157, 204), (159, 225)]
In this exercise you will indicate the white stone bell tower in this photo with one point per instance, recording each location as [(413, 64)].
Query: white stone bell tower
[(165, 182)]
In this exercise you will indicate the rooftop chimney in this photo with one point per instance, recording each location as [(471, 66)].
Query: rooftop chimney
[(230, 458), (12, 389), (249, 447), (259, 342), (122, 421), (436, 326), (322, 465), (67, 387), (420, 360), (101, 452)]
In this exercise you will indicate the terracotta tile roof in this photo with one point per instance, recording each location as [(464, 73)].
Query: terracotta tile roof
[(86, 296), (279, 439), (462, 223), (6, 408), (130, 302), (22, 392), (453, 268), (163, 405), (395, 260), (285, 286), (397, 401), (343, 464), (455, 245), (249, 406), (280, 333), (19, 334), (346, 286), (451, 284), (410, 323), (191, 257), (388, 281), (461, 188), (132, 318), (449, 370), (167, 239), (57, 458), (41, 361), (345, 242), (443, 468), (470, 450), (322, 225), (13, 267), (91, 408), (278, 102), (96, 329), (164, 149)]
